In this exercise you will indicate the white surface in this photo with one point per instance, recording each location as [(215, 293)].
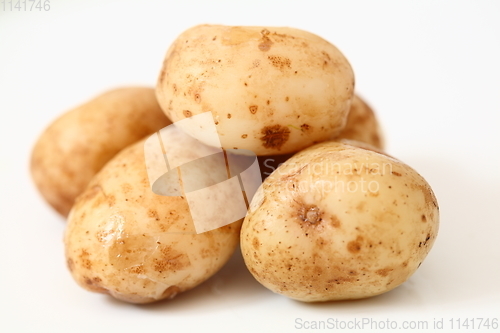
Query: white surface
[(430, 70)]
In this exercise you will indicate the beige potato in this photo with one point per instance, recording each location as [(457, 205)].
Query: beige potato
[(137, 246), (362, 125), (338, 222), (77, 145), (271, 90)]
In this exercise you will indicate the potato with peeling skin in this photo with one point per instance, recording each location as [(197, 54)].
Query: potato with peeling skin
[(137, 246), (271, 90), (338, 222), (77, 145), (362, 125)]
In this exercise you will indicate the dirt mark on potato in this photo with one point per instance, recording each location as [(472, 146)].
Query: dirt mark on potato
[(266, 43), (355, 245), (281, 63), (274, 137)]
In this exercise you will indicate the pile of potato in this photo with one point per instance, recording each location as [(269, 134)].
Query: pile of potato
[(335, 218)]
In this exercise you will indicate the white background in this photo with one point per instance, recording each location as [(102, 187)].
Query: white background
[(431, 70)]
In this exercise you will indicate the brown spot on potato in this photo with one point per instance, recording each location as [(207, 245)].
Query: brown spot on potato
[(305, 127), (275, 136), (187, 113), (255, 243), (318, 270), (84, 259), (396, 173), (424, 219), (361, 206), (266, 43), (111, 200), (340, 280), (162, 74), (139, 269), (228, 116), (244, 136), (207, 253), (280, 62), (384, 271), (355, 245), (170, 260), (287, 99), (94, 284), (127, 188), (253, 109), (320, 242), (104, 235), (197, 98), (427, 239), (335, 221), (153, 214)]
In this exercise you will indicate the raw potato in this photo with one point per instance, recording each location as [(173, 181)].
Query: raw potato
[(77, 145), (139, 247), (339, 222), (362, 125), (270, 90)]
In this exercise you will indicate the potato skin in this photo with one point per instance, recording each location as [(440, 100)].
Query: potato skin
[(313, 239), (139, 247), (77, 145), (362, 125), (271, 90)]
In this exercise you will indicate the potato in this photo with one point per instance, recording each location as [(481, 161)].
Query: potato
[(338, 222), (270, 90), (362, 125), (137, 246), (75, 146)]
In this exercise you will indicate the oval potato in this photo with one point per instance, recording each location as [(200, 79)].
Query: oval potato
[(77, 145), (270, 90), (339, 222), (137, 246)]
